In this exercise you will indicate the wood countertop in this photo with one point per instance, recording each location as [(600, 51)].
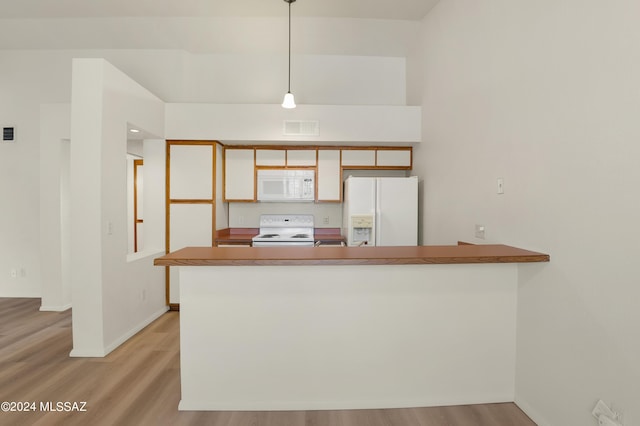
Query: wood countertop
[(332, 255)]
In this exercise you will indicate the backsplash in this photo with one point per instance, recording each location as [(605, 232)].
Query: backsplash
[(247, 215)]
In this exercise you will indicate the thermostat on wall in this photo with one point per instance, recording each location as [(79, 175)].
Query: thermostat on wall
[(8, 134)]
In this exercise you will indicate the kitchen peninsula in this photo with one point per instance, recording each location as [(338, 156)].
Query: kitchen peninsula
[(347, 327)]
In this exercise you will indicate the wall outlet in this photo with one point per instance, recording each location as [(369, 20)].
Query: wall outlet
[(325, 220), (480, 231)]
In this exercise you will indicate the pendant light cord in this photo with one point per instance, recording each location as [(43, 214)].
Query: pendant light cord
[(288, 101), (289, 82)]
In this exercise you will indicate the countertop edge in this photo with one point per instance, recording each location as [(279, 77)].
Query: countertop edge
[(421, 255)]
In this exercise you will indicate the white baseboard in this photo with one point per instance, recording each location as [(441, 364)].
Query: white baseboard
[(75, 353), (61, 308), (200, 405), (80, 354), (531, 412), (135, 330), (35, 294)]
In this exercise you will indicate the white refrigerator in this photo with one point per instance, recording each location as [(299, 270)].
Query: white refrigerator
[(380, 211)]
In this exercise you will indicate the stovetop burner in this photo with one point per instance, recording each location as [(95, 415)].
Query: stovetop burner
[(280, 230)]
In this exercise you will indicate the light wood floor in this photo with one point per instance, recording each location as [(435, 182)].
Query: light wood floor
[(139, 383)]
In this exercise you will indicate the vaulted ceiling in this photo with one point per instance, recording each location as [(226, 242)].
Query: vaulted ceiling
[(320, 27), (367, 9)]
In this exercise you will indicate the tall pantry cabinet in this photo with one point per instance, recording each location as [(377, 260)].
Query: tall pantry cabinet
[(194, 205)]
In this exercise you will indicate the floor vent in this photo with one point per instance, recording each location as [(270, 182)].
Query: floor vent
[(8, 134), (301, 128)]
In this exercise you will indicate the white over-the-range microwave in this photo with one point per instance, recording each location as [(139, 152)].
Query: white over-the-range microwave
[(286, 185)]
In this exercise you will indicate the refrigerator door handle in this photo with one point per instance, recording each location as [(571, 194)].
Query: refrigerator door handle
[(377, 220)]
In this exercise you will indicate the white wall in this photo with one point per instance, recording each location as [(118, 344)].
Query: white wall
[(154, 153), (342, 124), (217, 73), (55, 131), (545, 94), (24, 86), (179, 76), (397, 336), (114, 295)]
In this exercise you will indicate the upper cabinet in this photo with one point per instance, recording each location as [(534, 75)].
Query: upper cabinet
[(191, 171), (268, 157), (359, 157), (377, 158), (271, 157), (329, 176), (241, 163), (394, 158), (239, 174), (301, 157)]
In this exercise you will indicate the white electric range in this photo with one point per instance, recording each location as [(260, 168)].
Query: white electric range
[(281, 230)]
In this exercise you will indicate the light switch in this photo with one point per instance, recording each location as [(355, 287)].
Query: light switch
[(500, 186)]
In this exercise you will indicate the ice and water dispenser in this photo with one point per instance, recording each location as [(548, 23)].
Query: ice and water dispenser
[(362, 230)]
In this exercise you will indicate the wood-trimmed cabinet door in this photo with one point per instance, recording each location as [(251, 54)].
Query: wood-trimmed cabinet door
[(359, 158), (191, 202), (271, 157), (239, 175), (191, 226), (301, 157), (329, 177), (394, 158)]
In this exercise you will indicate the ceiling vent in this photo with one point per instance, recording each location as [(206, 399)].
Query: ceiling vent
[(8, 134), (301, 128)]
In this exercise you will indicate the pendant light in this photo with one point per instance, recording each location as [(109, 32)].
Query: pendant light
[(288, 101)]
